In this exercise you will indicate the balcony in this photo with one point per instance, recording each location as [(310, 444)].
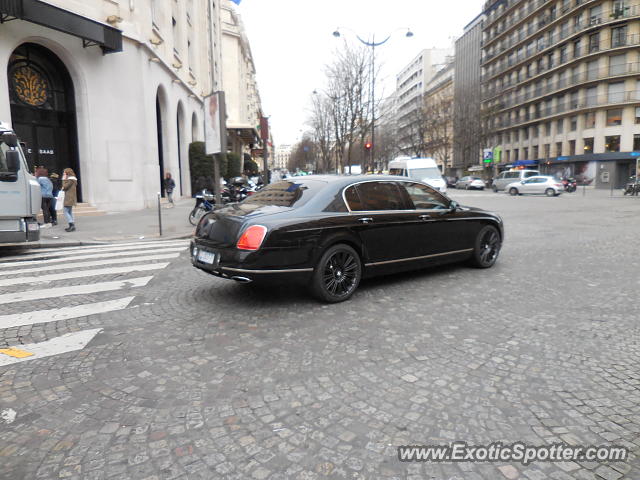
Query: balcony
[(608, 16), (626, 41), (569, 106)]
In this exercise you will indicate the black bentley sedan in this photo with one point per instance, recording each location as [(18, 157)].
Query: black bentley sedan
[(331, 231)]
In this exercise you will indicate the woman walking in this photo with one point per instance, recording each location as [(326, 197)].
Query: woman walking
[(169, 185), (69, 183)]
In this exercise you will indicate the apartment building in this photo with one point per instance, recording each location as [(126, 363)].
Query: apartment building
[(438, 105), (281, 157), (410, 87), (561, 86), (112, 89)]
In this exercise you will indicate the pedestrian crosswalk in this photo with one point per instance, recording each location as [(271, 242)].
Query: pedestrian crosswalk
[(78, 282)]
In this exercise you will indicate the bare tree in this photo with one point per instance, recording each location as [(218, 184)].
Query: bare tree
[(304, 154), (321, 130)]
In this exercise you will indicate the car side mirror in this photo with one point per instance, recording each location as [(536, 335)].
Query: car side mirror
[(453, 205), (522, 182), (11, 139), (13, 160)]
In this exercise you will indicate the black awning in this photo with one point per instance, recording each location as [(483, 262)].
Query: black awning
[(90, 31)]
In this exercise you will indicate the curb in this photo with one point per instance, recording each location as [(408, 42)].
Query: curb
[(82, 243)]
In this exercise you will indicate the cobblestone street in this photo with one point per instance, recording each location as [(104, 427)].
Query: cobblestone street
[(193, 377)]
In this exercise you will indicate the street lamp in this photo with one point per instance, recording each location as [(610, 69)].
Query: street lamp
[(373, 44)]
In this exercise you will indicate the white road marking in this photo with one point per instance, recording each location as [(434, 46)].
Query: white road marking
[(81, 274), (65, 313), (105, 245), (69, 342), (85, 257), (96, 263), (8, 415), (74, 290), (65, 252)]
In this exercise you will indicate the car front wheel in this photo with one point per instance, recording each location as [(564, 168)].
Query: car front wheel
[(513, 191), (337, 274), (487, 247)]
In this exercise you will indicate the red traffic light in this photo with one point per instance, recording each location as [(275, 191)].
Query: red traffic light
[(367, 146)]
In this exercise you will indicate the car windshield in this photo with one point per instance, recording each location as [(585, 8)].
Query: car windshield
[(425, 173), (292, 193), (3, 159)]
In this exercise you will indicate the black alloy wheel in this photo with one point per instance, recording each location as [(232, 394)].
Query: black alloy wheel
[(487, 247), (513, 191), (337, 274)]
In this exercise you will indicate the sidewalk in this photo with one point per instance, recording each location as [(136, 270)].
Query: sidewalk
[(121, 227)]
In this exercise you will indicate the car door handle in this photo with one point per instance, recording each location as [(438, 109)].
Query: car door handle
[(365, 220), (425, 218)]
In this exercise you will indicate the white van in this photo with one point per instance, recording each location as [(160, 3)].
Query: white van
[(423, 169)]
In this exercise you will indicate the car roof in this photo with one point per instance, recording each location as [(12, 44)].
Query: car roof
[(349, 179)]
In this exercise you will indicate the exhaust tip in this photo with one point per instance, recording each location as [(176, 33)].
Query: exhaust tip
[(241, 279)]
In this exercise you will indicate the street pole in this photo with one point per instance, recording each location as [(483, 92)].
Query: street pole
[(159, 214)]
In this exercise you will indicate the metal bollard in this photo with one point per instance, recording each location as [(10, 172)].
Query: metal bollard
[(159, 215), (584, 189)]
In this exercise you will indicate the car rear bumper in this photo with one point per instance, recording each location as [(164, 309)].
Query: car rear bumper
[(229, 264)]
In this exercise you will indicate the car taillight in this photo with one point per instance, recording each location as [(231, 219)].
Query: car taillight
[(252, 238)]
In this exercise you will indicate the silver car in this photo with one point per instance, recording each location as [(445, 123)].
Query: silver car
[(538, 185), (505, 178), (469, 182)]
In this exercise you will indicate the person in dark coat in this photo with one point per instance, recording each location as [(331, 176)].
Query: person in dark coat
[(169, 185), (55, 181), (69, 185)]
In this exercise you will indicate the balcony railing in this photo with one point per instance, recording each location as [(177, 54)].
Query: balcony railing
[(571, 81), (550, 41), (590, 101), (531, 8), (629, 40)]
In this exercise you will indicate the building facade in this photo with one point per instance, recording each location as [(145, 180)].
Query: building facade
[(111, 89), (438, 106), (467, 121), (410, 87), (239, 83), (561, 85), (281, 156)]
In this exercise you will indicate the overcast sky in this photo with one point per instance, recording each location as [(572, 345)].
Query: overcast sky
[(291, 43)]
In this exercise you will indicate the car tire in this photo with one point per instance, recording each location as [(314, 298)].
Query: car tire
[(487, 247), (337, 274), (466, 187), (495, 189), (550, 192), (513, 191)]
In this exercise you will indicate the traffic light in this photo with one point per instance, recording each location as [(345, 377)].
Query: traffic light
[(367, 146)]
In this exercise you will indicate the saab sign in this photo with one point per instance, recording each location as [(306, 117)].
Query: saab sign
[(487, 155)]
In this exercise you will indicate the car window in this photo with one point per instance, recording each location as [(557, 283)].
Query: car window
[(503, 175), (396, 171), (353, 199), (530, 174), (513, 175), (424, 197), (380, 196), (286, 193)]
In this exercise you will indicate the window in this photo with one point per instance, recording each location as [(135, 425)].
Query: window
[(576, 48), (547, 129), (547, 150), (550, 60), (616, 92), (636, 142), (573, 124), (380, 196), (515, 154), (591, 96), (637, 114), (594, 42), (525, 153), (595, 15), (612, 143), (425, 198), (525, 134), (560, 128), (572, 147), (617, 64), (592, 70), (558, 149), (536, 152), (614, 117), (286, 193), (588, 145), (590, 120), (353, 199), (619, 36), (564, 54)]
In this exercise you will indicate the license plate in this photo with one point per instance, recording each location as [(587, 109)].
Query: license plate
[(207, 257)]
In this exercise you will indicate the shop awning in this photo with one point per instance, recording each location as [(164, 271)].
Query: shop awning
[(246, 133), (41, 13)]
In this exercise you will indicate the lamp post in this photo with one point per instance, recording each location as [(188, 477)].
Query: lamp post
[(373, 44)]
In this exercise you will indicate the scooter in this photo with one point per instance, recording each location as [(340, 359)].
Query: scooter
[(632, 187), (570, 184)]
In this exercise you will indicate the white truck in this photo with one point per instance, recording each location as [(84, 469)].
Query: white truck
[(20, 199), (422, 169)]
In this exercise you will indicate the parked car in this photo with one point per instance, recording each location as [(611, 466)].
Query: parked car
[(505, 178), (328, 232), (451, 181), (538, 185), (468, 183)]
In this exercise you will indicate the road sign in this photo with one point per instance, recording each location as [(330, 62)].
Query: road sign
[(487, 155)]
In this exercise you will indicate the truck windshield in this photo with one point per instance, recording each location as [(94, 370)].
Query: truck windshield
[(424, 173)]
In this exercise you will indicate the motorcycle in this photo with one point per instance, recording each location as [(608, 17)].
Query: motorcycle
[(632, 187), (570, 184), (239, 189), (204, 204)]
